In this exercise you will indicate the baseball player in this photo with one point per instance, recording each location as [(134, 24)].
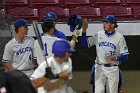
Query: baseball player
[(111, 48), (61, 66), (51, 16), (47, 39), (120, 89), (18, 51)]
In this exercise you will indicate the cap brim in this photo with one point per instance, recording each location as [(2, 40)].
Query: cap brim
[(104, 20), (28, 25)]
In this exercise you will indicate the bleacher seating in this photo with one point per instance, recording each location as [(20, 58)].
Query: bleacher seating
[(136, 11), (39, 3), (87, 11), (133, 1), (91, 9), (119, 11), (23, 12), (105, 3), (73, 3), (62, 13), (16, 2)]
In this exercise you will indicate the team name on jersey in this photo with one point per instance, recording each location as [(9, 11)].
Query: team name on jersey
[(23, 50), (108, 44)]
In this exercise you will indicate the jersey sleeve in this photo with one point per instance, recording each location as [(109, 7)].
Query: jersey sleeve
[(40, 71), (123, 47), (38, 54), (68, 66), (92, 40), (8, 55)]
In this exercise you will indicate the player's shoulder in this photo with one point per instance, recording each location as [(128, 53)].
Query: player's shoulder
[(101, 32), (50, 59), (119, 34), (11, 43), (59, 34)]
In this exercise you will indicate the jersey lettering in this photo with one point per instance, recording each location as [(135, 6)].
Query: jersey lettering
[(23, 50), (108, 44)]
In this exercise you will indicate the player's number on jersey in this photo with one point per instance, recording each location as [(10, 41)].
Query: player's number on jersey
[(112, 53), (45, 48)]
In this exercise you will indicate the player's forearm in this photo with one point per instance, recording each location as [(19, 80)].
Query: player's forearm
[(122, 57), (84, 42), (73, 41), (64, 75), (39, 81), (8, 65)]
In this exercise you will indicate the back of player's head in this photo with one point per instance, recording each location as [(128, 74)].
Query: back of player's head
[(47, 26), (112, 19), (60, 47), (20, 23), (50, 16)]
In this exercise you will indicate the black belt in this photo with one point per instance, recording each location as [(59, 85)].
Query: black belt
[(108, 65), (27, 69)]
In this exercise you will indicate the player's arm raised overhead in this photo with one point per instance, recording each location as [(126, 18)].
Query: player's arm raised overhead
[(87, 42), (7, 57)]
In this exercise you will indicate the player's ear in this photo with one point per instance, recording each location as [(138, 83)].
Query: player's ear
[(113, 25), (16, 29)]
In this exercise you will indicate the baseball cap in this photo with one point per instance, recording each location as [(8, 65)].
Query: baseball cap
[(21, 22), (50, 16), (75, 21), (110, 18)]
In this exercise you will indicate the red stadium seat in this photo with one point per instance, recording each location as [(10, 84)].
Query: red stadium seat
[(107, 1), (43, 2), (133, 1), (61, 13), (23, 12), (15, 2), (87, 11), (119, 11), (71, 3), (136, 11)]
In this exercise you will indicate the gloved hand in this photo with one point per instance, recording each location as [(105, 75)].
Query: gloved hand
[(49, 74)]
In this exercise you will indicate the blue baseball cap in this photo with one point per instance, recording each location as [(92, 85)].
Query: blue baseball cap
[(50, 16), (110, 18), (21, 22)]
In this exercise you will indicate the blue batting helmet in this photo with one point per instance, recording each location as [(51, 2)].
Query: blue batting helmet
[(50, 16), (75, 21), (60, 47)]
